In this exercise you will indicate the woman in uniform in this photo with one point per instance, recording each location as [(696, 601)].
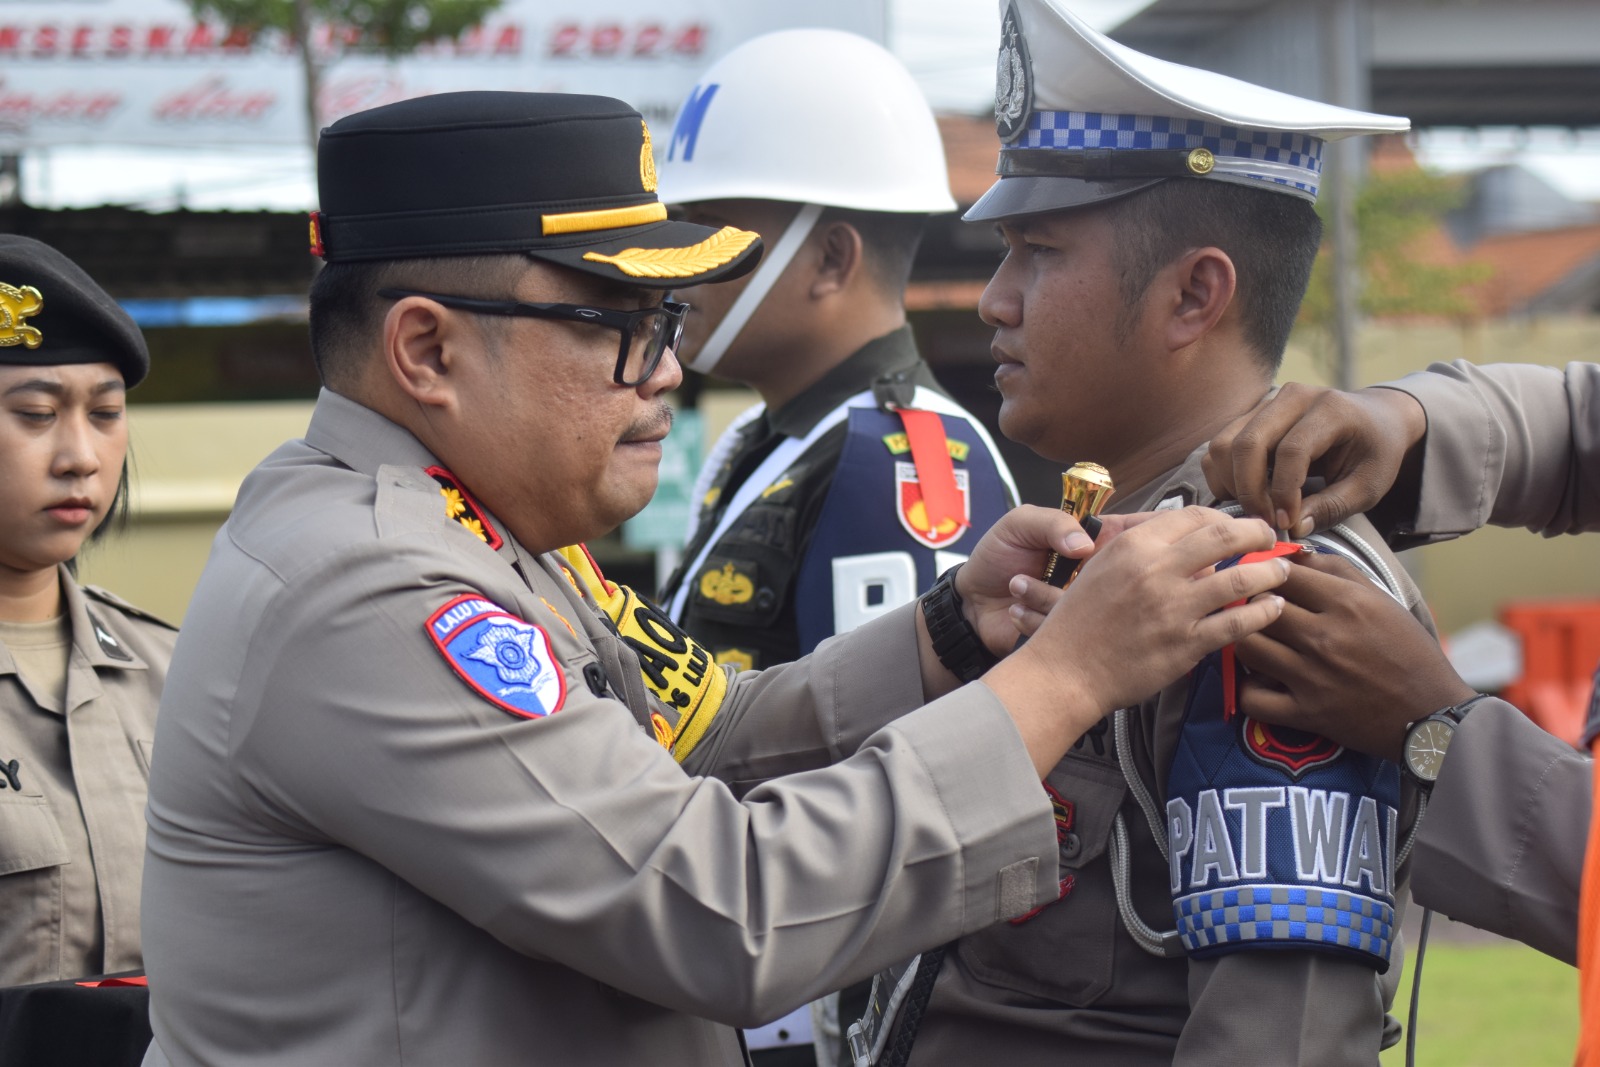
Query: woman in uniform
[(80, 671)]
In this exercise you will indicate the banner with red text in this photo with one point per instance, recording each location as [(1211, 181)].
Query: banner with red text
[(144, 72)]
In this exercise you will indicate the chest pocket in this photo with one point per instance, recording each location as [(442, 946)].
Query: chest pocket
[(1065, 951), (30, 838)]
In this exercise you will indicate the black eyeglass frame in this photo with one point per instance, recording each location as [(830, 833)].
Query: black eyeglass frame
[(624, 322)]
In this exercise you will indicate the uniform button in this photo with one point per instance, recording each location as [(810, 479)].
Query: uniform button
[(1071, 845), (765, 599)]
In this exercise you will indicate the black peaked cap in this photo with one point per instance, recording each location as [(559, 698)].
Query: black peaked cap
[(564, 178), (51, 312)]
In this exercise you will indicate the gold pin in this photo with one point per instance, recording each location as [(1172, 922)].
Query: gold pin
[(1201, 161), (1085, 491)]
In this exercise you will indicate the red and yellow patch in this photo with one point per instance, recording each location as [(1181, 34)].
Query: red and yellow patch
[(459, 505)]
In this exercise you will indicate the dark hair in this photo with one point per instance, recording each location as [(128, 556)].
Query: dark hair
[(890, 239), (1271, 237), (346, 310), (116, 520)]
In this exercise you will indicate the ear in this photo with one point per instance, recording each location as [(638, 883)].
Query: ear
[(839, 252), (419, 337), (1202, 284)]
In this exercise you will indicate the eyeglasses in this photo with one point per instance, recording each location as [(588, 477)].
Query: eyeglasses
[(646, 333)]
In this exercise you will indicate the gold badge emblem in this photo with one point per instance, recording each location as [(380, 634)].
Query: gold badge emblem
[(1201, 161), (726, 586), (663, 730), (15, 305), (647, 162), (737, 658)]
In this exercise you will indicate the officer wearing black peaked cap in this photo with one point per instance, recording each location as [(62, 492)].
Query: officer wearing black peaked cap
[(427, 789), (80, 670)]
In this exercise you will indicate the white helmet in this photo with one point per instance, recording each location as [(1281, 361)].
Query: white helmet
[(820, 118), (809, 117)]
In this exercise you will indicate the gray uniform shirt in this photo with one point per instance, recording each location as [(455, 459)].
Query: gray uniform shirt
[(1502, 844), (357, 858), (1072, 985), (72, 795)]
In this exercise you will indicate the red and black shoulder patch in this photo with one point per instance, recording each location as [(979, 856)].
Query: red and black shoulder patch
[(459, 506)]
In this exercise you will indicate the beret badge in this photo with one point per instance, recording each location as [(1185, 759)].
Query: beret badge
[(15, 305)]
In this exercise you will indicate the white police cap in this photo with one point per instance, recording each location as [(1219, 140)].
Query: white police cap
[(1083, 119)]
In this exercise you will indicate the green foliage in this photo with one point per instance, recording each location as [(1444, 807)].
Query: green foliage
[(392, 27), (1490, 1005), (1395, 213)]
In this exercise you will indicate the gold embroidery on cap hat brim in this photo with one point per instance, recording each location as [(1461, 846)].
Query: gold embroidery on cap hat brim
[(724, 246), (15, 305), (611, 218)]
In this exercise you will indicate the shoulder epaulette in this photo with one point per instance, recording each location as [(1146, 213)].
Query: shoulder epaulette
[(105, 596)]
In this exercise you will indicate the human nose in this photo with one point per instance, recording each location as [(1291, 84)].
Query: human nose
[(75, 455), (1000, 306), (667, 376)]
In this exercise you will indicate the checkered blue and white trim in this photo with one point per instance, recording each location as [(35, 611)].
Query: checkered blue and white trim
[(1269, 156), (1284, 915)]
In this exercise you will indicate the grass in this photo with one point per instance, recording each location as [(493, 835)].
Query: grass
[(1496, 1004)]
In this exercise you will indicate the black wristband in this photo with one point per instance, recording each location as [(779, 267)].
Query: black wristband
[(955, 642)]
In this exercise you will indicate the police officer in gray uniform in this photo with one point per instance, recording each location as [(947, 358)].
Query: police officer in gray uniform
[(80, 670), (1439, 454), (429, 783)]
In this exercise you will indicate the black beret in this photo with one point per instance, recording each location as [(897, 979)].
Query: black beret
[(51, 312), (564, 178)]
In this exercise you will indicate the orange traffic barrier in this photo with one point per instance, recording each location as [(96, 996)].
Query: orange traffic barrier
[(1560, 649)]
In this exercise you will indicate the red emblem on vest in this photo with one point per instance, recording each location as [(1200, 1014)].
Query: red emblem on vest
[(914, 513), (1294, 751)]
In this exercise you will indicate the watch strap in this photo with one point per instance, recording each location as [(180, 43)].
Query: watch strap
[(955, 642)]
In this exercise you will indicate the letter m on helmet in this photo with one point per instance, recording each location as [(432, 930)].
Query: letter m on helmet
[(687, 129)]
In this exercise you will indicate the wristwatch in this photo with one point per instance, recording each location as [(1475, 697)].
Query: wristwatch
[(955, 642), (1427, 741)]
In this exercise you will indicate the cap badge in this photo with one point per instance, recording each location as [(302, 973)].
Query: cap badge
[(316, 234), (721, 247), (15, 305), (647, 162), (1013, 83), (1201, 161)]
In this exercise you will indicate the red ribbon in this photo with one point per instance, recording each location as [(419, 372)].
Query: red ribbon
[(936, 474), (1230, 702)]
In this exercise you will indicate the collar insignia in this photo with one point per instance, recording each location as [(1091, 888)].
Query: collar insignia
[(15, 305), (459, 505), (108, 644), (1013, 83)]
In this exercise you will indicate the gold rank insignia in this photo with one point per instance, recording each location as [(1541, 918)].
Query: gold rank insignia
[(17, 304), (459, 505), (647, 161), (722, 247), (899, 444), (736, 658), (725, 585)]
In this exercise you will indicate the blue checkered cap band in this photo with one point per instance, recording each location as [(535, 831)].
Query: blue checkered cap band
[(1290, 915), (1272, 157)]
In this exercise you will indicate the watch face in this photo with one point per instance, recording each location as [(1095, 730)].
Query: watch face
[(1425, 747)]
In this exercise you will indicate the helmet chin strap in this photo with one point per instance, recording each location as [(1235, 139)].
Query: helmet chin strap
[(772, 265)]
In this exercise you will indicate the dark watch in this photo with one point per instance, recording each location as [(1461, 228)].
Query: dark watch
[(1427, 741), (955, 642)]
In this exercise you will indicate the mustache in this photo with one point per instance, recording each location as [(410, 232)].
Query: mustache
[(655, 423)]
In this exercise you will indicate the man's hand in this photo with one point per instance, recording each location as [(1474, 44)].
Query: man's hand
[(1019, 543), (1346, 661), (1145, 608), (1356, 441)]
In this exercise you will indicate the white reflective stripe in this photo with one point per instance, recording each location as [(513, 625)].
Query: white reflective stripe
[(786, 453), (1265, 168), (715, 458), (772, 264), (892, 574)]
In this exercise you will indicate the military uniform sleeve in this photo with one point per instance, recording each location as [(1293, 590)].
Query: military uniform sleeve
[(1501, 845), (568, 834), (1507, 445)]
